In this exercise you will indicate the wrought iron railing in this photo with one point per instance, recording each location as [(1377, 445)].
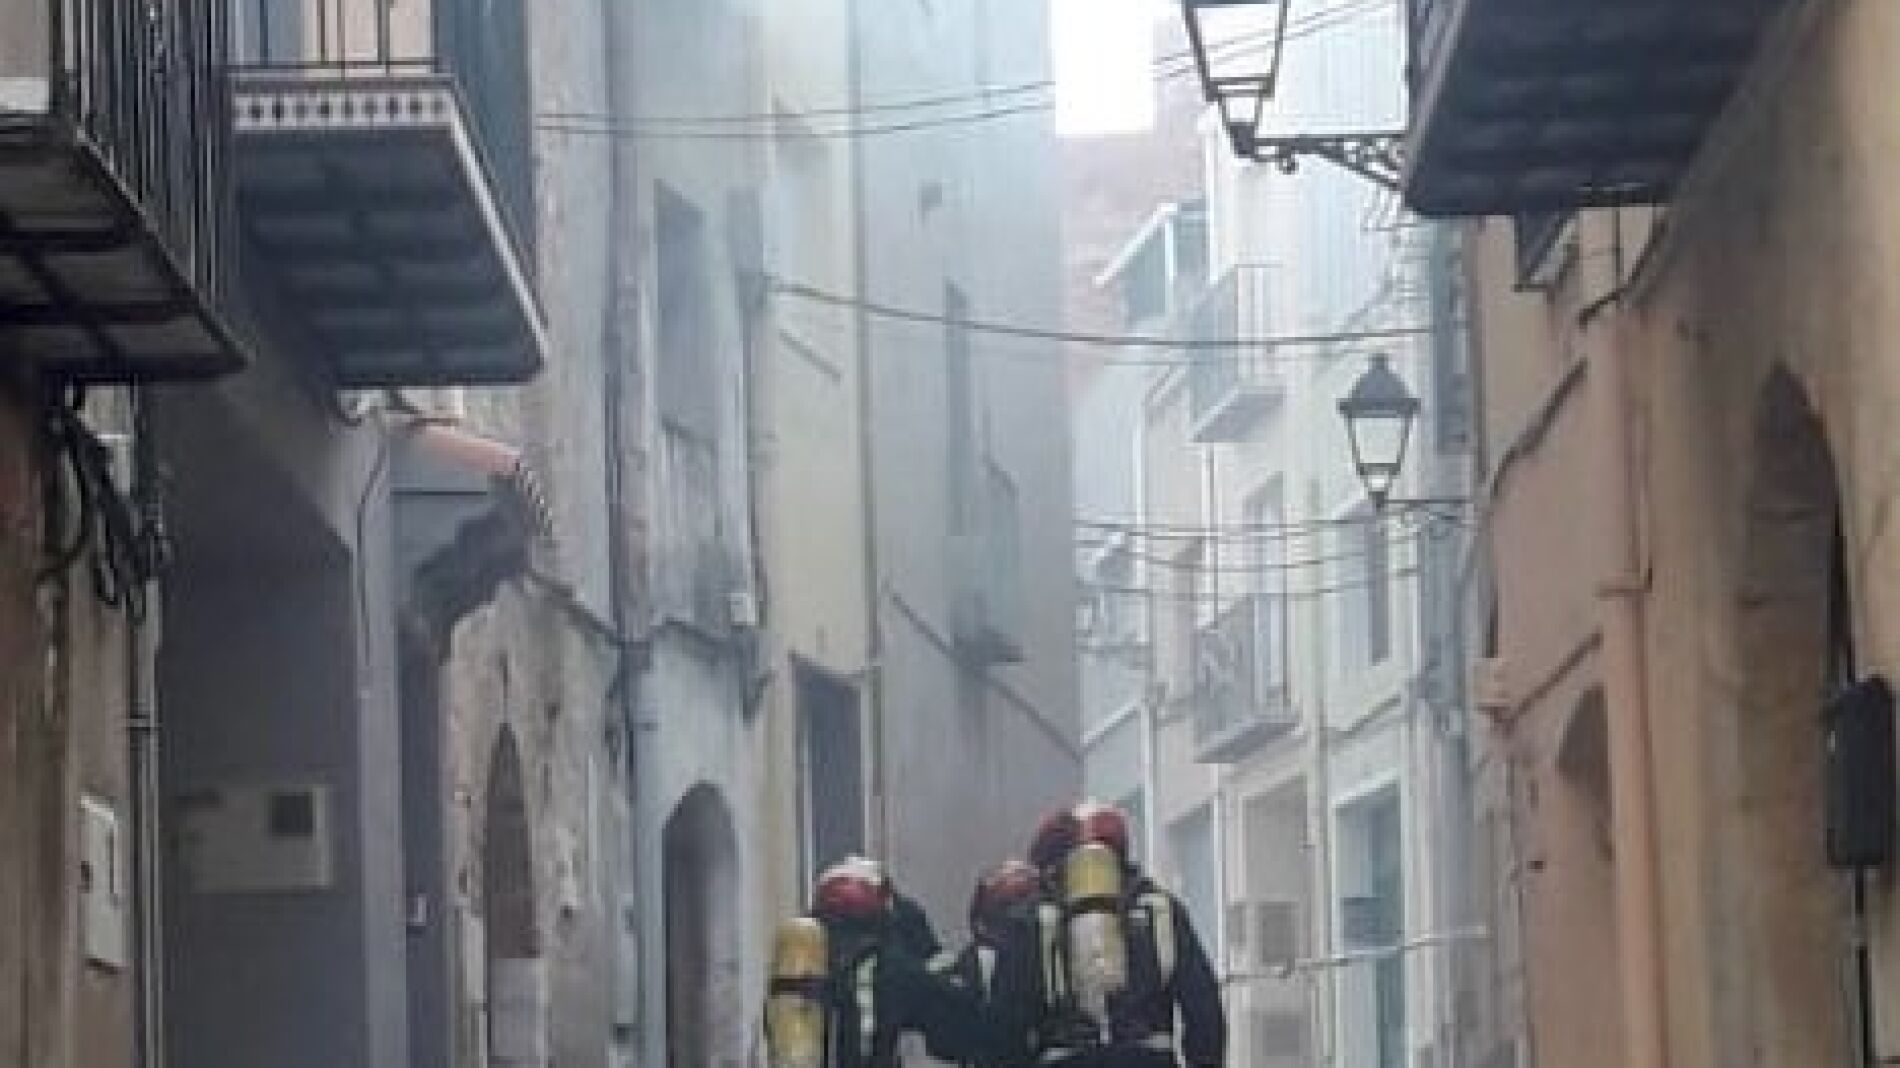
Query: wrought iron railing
[(1240, 669), (141, 82), (478, 47)]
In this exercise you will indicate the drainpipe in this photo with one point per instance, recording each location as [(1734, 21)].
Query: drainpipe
[(1319, 806), (142, 725), (1152, 693), (625, 449), (867, 443), (1620, 603)]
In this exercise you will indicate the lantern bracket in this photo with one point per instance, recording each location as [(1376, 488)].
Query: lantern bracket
[(1378, 157)]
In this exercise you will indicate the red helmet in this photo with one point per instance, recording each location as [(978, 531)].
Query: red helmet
[(1056, 835), (1100, 824), (1007, 886), (853, 889)]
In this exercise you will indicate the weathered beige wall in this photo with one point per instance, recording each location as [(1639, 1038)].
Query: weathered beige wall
[(1760, 328), (1784, 260), (62, 730), (19, 704), (1560, 871)]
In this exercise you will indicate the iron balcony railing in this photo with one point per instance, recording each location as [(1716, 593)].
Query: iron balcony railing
[(1241, 684), (477, 47), (140, 82)]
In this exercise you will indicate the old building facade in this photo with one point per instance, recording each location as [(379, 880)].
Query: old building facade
[(1683, 387), (536, 612), (1272, 662)]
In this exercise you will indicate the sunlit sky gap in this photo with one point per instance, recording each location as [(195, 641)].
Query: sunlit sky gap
[(1104, 65)]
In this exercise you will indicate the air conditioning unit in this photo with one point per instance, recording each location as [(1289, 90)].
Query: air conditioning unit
[(257, 839), (1265, 936), (1279, 1037)]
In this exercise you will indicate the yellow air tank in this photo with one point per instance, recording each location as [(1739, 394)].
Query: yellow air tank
[(1098, 947), (794, 1007)]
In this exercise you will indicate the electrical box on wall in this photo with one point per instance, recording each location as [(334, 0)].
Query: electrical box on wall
[(1859, 789), (257, 839), (103, 889)]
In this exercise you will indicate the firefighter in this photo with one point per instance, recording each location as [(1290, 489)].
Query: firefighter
[(1002, 911), (848, 983), (1112, 959), (1002, 908)]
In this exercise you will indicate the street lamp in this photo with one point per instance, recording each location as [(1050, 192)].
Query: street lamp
[(1379, 414), (1236, 45)]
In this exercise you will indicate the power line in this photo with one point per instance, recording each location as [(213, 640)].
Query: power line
[(1218, 599), (605, 130), (1218, 568), (1042, 355), (1391, 536), (1143, 528), (1167, 68), (921, 103), (1035, 333)]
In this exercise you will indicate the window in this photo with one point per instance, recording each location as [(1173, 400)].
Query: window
[(1372, 915), (1192, 842), (959, 411), (833, 767), (1184, 615), (1378, 593), (1191, 244), (269, 31), (486, 41), (1363, 622), (1387, 885), (1542, 246), (1266, 515), (1451, 359), (683, 290), (1144, 283), (1135, 806)]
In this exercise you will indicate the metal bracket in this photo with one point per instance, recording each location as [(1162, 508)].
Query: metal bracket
[(1377, 157)]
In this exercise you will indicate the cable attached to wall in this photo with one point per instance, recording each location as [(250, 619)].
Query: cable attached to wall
[(88, 514)]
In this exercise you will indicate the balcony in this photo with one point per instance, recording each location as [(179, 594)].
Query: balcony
[(113, 200), (1229, 390), (382, 155), (1548, 105), (1241, 697)]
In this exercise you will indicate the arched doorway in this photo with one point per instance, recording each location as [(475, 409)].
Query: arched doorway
[(516, 1031), (704, 1008), (1781, 955), (1577, 884)]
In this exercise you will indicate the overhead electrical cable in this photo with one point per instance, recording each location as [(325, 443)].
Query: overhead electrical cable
[(1324, 348), (675, 126), (1037, 333)]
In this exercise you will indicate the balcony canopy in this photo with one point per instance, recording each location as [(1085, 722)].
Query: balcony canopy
[(1538, 105), (369, 202)]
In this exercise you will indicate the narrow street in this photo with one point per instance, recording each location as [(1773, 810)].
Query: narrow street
[(1010, 533)]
